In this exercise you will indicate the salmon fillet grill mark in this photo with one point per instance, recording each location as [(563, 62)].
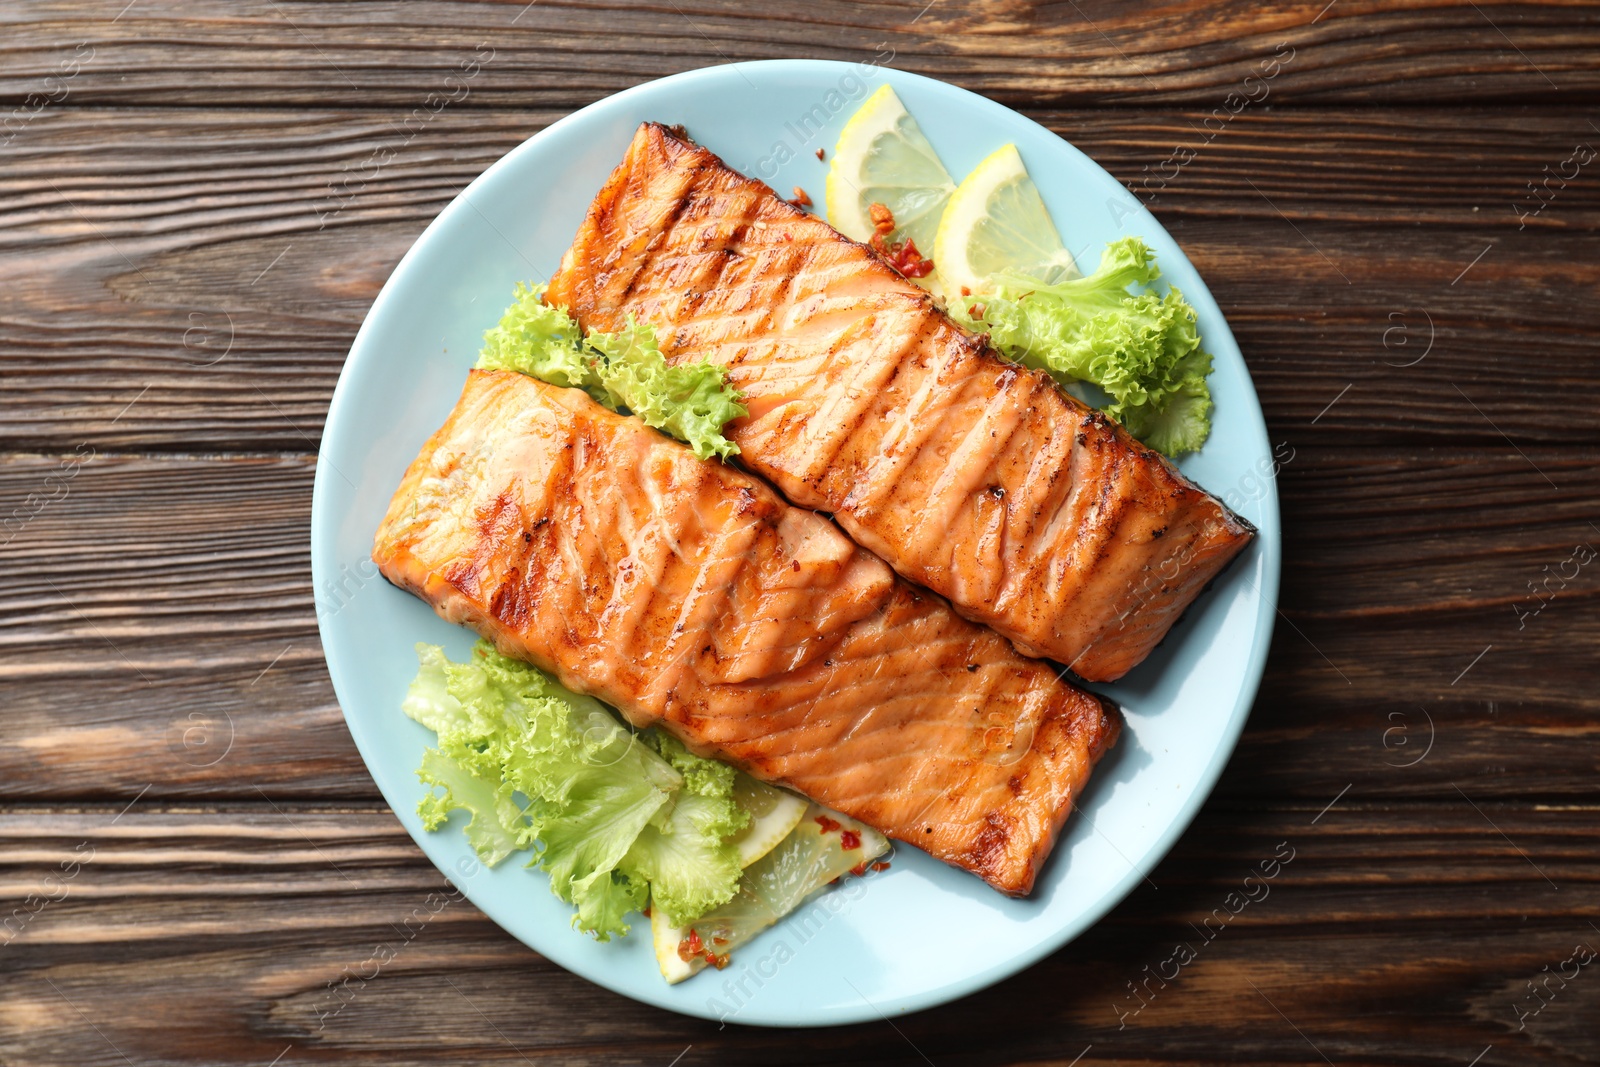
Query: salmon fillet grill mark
[(978, 479), (689, 594)]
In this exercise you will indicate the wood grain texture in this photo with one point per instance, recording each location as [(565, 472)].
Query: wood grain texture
[(315, 935), (161, 613), (215, 265), (569, 54)]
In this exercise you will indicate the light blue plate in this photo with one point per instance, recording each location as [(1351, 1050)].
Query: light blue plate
[(920, 933)]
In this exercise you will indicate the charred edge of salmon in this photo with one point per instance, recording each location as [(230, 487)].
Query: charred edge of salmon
[(1108, 731), (674, 141), (1232, 561), (989, 853)]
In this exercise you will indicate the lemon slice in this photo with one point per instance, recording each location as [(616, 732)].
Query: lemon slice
[(773, 813), (884, 158), (811, 856), (997, 221)]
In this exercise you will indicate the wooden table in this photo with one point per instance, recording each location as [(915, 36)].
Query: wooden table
[(1396, 206)]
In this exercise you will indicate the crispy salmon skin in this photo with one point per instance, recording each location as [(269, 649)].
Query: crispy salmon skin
[(976, 478), (689, 594)]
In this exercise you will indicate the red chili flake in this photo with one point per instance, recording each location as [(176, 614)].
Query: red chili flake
[(849, 839), (796, 564), (819, 153), (828, 825), (881, 865), (719, 941), (834, 882), (859, 869), (902, 255), (690, 947), (800, 199), (965, 291), (646, 911), (977, 310), (910, 262), (719, 962)]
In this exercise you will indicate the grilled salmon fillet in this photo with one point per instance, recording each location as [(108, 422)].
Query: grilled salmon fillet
[(688, 594), (979, 479)]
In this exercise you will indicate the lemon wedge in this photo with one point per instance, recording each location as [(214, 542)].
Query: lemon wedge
[(996, 221), (806, 860), (773, 813), (883, 157)]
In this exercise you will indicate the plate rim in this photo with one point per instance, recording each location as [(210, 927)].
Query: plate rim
[(1268, 543)]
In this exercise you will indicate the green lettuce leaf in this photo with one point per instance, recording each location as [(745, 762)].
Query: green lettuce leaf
[(585, 836), (701, 776), (624, 370), (1180, 421), (1142, 349), (605, 901), (494, 824), (689, 868), (689, 862), (428, 699), (537, 340), (612, 816), (691, 401)]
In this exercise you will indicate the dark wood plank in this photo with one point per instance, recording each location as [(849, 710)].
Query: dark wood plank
[(207, 265), (566, 55), (1391, 935), (161, 608), (1433, 621), (165, 631)]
